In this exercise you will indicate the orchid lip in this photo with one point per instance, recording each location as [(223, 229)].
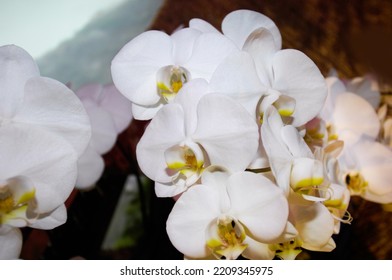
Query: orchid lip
[(227, 241), (170, 80), (15, 198)]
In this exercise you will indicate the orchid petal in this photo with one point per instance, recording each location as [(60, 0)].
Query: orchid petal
[(202, 25), (50, 220), (16, 68), (262, 47), (257, 250), (189, 219), (183, 42), (279, 156), (353, 113), (216, 177), (295, 143), (314, 224), (297, 76), (46, 159), (169, 189), (134, 67), (367, 88), (91, 92), (90, 168), (103, 129), (145, 112), (203, 63), (119, 107), (11, 241), (163, 132), (238, 25), (258, 204), (188, 97), (229, 78), (48, 103), (305, 173), (335, 88), (221, 132)]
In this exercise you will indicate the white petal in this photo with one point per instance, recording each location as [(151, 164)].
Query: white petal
[(169, 189), (183, 41), (50, 220), (238, 25), (16, 67), (297, 76), (46, 159), (367, 88), (236, 77), (145, 112), (119, 107), (314, 224), (103, 130), (55, 107), (202, 25), (208, 51), (262, 47), (90, 92), (163, 132), (335, 88), (257, 250), (260, 159), (295, 143), (189, 219), (134, 68), (258, 204), (11, 240), (216, 178), (226, 131), (279, 156), (306, 172), (188, 97), (90, 168), (354, 113)]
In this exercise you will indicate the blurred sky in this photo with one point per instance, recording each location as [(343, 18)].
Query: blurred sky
[(40, 25), (74, 41)]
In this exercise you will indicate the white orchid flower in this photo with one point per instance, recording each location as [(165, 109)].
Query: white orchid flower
[(366, 168), (30, 100), (11, 241), (292, 162), (217, 216), (239, 24), (110, 113), (344, 110), (151, 76), (194, 131), (286, 79)]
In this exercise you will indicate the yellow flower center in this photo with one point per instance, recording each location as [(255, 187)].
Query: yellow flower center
[(288, 250), (356, 183), (170, 80), (229, 243), (12, 207), (7, 202)]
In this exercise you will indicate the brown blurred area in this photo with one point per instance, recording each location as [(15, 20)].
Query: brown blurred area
[(352, 36)]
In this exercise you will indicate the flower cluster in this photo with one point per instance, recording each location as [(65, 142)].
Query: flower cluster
[(260, 151)]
